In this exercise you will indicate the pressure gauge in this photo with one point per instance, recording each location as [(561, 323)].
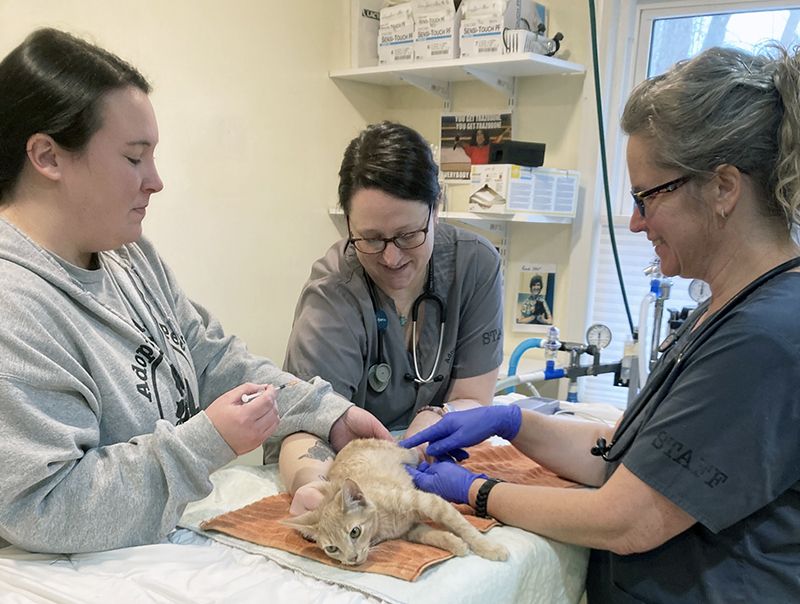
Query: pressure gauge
[(699, 291), (598, 335)]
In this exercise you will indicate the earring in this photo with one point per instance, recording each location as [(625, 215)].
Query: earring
[(723, 214)]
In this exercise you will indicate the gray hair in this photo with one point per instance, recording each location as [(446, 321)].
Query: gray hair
[(727, 106)]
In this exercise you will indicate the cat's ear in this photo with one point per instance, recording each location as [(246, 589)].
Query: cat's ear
[(305, 523), (352, 497)]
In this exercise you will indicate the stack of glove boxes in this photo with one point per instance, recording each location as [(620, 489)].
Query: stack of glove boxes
[(426, 30), (486, 24)]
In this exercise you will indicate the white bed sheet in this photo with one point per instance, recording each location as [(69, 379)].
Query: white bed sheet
[(540, 571), (191, 568), (188, 569)]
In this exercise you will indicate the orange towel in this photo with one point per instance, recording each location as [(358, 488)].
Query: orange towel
[(508, 464), (259, 522)]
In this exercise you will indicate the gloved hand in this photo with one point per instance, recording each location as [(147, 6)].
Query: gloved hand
[(445, 479), (459, 429)]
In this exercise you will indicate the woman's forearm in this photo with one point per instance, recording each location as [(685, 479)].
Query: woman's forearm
[(562, 445), (304, 458)]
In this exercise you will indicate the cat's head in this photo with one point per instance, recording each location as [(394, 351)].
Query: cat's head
[(343, 525)]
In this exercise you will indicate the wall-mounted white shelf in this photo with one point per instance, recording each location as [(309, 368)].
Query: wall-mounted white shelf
[(457, 70), (507, 217), (478, 217), (497, 71)]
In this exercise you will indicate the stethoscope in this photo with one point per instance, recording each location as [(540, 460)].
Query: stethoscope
[(379, 373), (660, 386)]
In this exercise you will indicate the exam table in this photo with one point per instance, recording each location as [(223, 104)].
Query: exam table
[(196, 567)]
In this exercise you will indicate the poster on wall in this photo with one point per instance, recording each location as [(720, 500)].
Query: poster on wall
[(534, 300), (465, 140)]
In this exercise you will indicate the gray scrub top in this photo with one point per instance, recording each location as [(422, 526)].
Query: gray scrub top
[(335, 332), (723, 446)]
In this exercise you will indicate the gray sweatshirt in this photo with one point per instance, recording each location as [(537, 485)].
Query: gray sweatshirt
[(104, 375)]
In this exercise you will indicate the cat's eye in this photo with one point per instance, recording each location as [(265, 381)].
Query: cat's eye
[(355, 533), (331, 549)]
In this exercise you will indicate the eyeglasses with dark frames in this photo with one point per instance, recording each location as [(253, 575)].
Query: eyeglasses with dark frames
[(668, 187), (403, 241)]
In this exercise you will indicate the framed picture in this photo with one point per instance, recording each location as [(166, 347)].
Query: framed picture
[(534, 300)]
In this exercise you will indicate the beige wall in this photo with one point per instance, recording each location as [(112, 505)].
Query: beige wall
[(252, 131)]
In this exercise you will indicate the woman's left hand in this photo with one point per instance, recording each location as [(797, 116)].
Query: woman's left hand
[(445, 478)]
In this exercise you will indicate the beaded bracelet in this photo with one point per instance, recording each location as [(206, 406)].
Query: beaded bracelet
[(437, 410)]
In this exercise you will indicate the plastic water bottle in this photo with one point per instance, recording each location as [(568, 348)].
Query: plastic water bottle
[(644, 309)]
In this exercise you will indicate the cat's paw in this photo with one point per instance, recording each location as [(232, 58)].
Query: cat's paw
[(459, 549), (451, 543), (491, 551)]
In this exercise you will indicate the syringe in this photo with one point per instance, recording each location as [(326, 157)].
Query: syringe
[(246, 398)]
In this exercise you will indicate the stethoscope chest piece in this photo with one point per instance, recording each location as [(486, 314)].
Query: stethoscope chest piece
[(379, 376)]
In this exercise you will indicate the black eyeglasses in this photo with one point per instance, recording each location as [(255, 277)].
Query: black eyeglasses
[(403, 241), (668, 187)]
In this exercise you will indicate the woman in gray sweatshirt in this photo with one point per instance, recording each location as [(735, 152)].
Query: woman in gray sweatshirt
[(119, 396)]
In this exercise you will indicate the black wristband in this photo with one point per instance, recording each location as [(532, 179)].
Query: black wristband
[(482, 499)]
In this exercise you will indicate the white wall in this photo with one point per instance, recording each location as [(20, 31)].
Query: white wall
[(252, 131)]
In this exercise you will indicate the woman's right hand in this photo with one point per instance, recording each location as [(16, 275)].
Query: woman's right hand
[(459, 429), (245, 426)]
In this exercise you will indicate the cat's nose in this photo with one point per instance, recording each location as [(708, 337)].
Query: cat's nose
[(354, 559)]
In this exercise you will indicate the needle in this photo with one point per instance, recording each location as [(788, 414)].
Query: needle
[(246, 398)]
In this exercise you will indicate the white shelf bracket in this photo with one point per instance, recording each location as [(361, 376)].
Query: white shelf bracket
[(495, 231), (438, 87), (503, 84)]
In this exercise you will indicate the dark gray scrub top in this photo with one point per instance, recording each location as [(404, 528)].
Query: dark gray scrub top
[(724, 445), (335, 333)]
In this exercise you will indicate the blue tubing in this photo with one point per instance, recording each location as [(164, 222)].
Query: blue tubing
[(517, 353), (551, 372)]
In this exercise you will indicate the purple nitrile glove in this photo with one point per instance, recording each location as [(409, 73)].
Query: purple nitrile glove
[(459, 429), (445, 479)]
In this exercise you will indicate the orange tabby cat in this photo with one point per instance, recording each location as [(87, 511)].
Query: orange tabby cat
[(369, 497)]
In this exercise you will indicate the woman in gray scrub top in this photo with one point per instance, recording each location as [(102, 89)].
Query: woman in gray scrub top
[(405, 314)]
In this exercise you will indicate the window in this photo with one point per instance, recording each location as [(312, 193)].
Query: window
[(667, 32)]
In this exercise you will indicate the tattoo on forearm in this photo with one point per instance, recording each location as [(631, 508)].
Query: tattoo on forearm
[(319, 451)]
